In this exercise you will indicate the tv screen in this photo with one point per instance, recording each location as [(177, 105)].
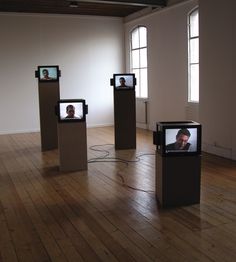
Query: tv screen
[(71, 110), (179, 138), (48, 73), (124, 81)]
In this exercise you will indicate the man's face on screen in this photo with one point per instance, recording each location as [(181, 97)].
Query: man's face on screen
[(181, 141)]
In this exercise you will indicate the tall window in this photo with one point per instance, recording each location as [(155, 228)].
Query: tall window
[(193, 57), (138, 64)]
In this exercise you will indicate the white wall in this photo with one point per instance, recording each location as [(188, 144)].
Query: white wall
[(167, 61), (217, 76), (88, 51)]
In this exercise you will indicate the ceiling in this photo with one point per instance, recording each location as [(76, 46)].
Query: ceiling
[(117, 8)]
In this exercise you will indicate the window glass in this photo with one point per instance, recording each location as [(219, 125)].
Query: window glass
[(143, 82), (143, 57), (194, 50), (194, 24), (135, 39), (194, 78), (143, 38), (135, 59)]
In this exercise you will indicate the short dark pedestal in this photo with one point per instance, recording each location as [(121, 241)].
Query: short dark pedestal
[(72, 145), (178, 180)]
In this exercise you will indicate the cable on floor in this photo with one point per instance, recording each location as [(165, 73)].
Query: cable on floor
[(106, 158)]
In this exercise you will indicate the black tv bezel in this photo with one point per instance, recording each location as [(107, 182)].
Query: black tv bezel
[(45, 67), (120, 75), (71, 101), (161, 132)]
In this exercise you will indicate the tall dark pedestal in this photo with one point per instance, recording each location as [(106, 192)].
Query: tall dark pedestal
[(125, 119), (48, 97), (72, 145), (178, 180)]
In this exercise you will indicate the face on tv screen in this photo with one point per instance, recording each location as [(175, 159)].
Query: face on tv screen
[(124, 81), (71, 111), (48, 73), (181, 140)]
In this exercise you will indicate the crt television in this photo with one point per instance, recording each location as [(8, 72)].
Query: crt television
[(71, 110), (48, 73), (178, 138), (123, 81)]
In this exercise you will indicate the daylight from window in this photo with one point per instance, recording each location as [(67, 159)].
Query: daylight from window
[(193, 57), (138, 64)]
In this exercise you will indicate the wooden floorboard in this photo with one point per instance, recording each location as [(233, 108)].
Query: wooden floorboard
[(109, 212)]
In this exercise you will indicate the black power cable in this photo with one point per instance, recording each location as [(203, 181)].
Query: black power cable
[(106, 158)]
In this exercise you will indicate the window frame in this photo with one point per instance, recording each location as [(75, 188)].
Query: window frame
[(139, 68), (191, 64)]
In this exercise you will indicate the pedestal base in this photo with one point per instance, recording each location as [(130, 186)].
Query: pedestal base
[(72, 145), (125, 119), (48, 97), (178, 180)]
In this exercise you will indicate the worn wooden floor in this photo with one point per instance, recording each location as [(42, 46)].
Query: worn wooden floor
[(108, 213)]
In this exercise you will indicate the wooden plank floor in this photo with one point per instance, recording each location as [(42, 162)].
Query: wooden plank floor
[(108, 213)]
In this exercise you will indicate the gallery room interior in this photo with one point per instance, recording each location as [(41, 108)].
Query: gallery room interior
[(95, 193)]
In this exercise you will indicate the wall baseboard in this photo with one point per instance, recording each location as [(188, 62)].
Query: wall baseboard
[(19, 131), (233, 155), (100, 125), (219, 151)]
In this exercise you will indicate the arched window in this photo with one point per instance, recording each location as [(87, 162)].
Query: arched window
[(138, 60), (193, 56)]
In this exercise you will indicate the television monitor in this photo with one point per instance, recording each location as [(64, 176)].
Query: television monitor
[(178, 138), (124, 81), (71, 110), (48, 73)]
